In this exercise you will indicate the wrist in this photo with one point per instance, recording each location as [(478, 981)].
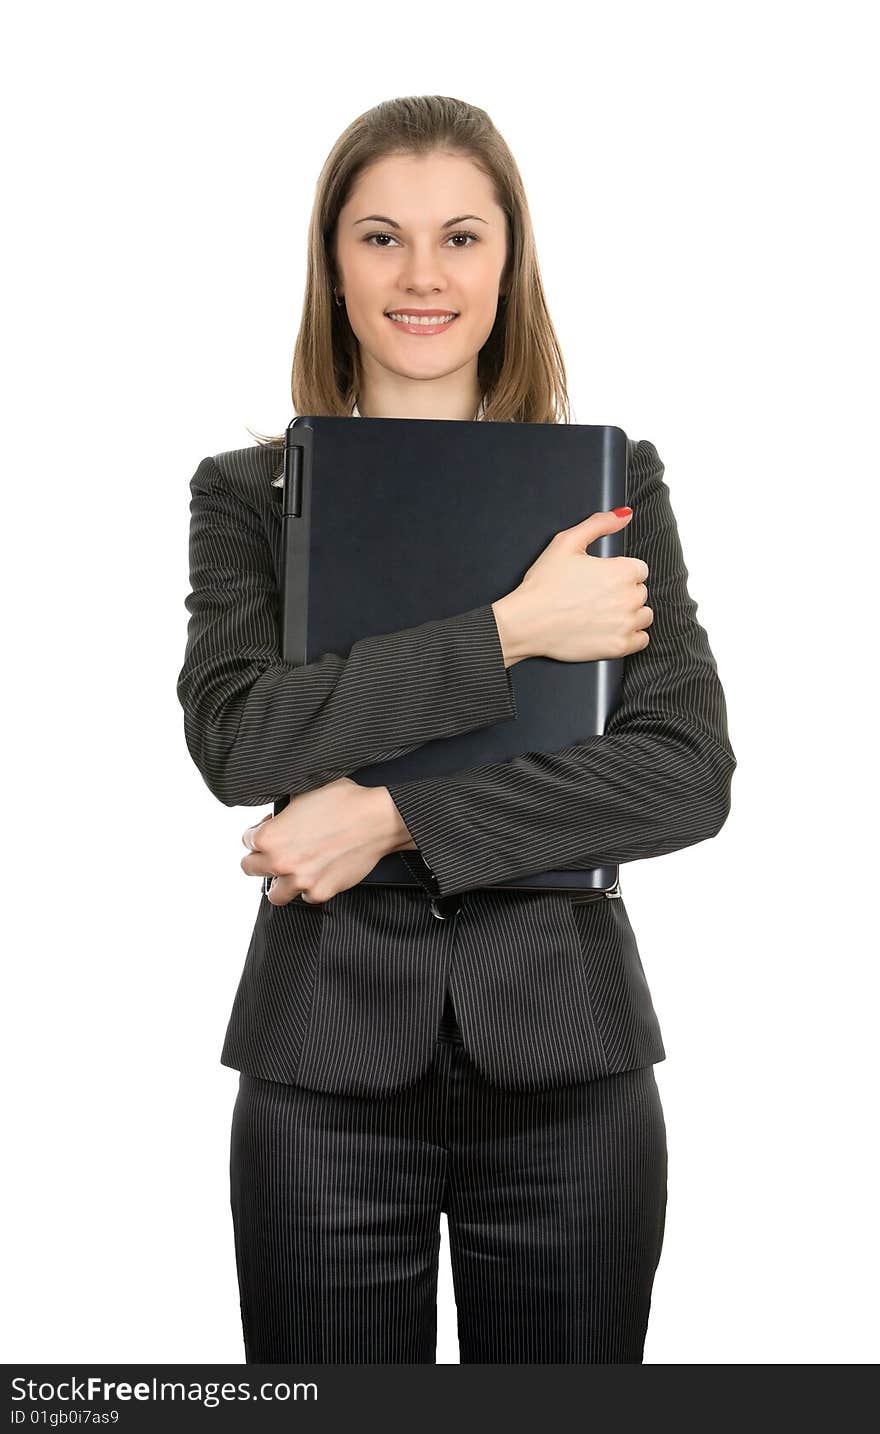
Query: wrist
[(512, 623), (391, 830)]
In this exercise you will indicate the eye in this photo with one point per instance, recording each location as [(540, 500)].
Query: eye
[(458, 234)]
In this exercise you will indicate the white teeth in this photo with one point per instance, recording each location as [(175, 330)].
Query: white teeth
[(412, 319)]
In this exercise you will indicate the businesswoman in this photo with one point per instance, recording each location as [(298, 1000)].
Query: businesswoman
[(444, 1046)]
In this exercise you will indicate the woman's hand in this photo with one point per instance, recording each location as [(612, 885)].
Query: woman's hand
[(574, 607), (323, 841)]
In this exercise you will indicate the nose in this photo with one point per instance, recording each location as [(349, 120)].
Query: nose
[(422, 274)]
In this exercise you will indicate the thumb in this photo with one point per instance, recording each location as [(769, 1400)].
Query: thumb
[(247, 838), (608, 520)]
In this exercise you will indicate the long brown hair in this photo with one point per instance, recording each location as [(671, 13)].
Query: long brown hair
[(520, 368)]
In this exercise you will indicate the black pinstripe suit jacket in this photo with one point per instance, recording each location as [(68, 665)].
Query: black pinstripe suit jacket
[(347, 996)]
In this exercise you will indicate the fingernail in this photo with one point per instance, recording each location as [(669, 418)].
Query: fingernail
[(621, 512)]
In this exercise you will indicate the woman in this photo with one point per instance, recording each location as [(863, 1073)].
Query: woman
[(404, 1051)]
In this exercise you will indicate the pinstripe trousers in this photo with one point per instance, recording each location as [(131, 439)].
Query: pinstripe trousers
[(555, 1202)]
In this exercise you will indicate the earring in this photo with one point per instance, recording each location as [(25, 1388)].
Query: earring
[(337, 296)]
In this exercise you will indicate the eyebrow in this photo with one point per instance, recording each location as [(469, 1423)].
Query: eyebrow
[(383, 219)]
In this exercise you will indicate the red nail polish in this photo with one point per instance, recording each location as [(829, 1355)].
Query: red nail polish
[(621, 512)]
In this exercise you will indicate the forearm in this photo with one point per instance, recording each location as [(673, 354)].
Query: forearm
[(258, 731), (607, 801)]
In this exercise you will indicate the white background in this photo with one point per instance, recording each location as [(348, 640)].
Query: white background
[(701, 182)]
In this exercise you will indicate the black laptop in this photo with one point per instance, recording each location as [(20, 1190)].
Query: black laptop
[(392, 522)]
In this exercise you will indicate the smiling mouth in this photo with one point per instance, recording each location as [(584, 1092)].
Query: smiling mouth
[(423, 324)]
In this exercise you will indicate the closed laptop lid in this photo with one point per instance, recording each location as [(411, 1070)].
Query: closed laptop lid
[(393, 522)]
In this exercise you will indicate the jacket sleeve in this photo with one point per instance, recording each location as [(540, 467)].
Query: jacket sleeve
[(657, 779), (259, 728)]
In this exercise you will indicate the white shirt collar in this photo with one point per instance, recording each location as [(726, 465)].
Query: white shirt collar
[(356, 413)]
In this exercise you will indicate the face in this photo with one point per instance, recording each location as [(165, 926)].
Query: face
[(396, 250)]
